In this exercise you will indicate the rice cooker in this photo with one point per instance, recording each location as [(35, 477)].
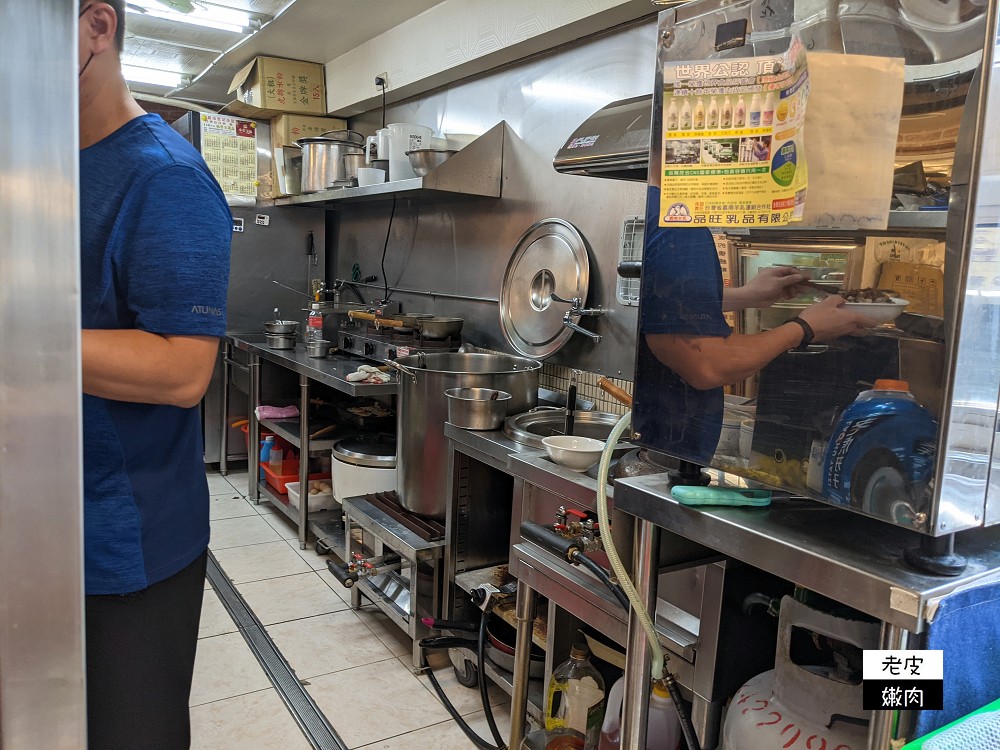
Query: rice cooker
[(363, 465)]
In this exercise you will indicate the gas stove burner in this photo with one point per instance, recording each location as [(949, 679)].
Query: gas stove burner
[(428, 529), (372, 332)]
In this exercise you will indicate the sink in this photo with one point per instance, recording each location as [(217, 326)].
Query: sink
[(529, 428)]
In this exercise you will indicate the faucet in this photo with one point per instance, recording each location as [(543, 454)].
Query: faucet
[(577, 310)]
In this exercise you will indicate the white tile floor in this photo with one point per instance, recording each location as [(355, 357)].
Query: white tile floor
[(355, 665)]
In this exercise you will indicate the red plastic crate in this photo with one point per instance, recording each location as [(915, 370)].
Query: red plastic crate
[(289, 473)]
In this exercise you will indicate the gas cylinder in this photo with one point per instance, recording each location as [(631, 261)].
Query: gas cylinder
[(801, 707)]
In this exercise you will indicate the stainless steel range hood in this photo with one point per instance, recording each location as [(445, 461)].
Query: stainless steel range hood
[(612, 143)]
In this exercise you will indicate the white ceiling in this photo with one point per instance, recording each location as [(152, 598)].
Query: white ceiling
[(312, 30)]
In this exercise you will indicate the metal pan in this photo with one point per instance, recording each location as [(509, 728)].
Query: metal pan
[(409, 320), (281, 327), (440, 328)]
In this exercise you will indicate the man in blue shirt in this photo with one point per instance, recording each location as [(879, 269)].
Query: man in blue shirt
[(154, 240)]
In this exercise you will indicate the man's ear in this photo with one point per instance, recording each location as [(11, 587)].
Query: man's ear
[(98, 27)]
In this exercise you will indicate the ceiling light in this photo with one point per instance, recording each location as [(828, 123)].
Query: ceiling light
[(210, 16), (150, 75)]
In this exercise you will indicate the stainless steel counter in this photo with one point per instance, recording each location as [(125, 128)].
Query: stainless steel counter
[(492, 447), (332, 371), (853, 559)]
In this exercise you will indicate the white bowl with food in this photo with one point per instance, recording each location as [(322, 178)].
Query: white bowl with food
[(881, 306), (576, 453)]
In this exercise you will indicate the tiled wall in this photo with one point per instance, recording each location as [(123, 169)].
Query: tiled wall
[(556, 378)]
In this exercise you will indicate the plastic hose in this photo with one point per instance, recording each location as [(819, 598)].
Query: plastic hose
[(483, 688), (625, 581), (469, 731)]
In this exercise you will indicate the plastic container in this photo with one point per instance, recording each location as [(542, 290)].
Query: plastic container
[(314, 326), (663, 727), (289, 473), (275, 459), (265, 452), (575, 698), (324, 500)]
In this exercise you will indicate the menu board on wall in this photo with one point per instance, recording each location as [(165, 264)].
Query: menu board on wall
[(732, 153), (229, 147)]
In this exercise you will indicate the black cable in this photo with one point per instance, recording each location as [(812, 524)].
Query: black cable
[(388, 231), (469, 731), (602, 575), (356, 293), (675, 695), (483, 688)]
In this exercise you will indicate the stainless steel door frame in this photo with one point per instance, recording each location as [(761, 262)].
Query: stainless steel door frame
[(42, 698)]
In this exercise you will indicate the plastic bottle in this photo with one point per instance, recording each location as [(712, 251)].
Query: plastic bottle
[(274, 461), (726, 115), (753, 114), (672, 115), (767, 113), (699, 115), (314, 326), (663, 727), (740, 113), (611, 729), (685, 121), (575, 698), (713, 114), (265, 453)]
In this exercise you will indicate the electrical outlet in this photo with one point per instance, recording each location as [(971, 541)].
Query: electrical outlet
[(381, 80)]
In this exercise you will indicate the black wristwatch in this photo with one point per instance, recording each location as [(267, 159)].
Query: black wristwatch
[(807, 332)]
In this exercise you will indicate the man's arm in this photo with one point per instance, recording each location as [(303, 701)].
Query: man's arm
[(706, 362), (137, 366)]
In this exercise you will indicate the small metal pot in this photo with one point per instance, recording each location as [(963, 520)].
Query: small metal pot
[(352, 162), (318, 349), (278, 341), (281, 327), (440, 328), (477, 408), (323, 161)]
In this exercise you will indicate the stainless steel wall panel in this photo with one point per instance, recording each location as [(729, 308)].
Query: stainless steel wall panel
[(462, 246), (41, 525)]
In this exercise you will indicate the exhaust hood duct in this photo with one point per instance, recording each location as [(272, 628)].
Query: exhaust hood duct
[(612, 143)]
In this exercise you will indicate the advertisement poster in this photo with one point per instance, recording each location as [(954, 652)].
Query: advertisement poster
[(732, 141), (229, 147)]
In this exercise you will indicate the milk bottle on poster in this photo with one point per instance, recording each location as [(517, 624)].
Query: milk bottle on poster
[(767, 114), (753, 118), (726, 115), (713, 114), (672, 115), (740, 113), (685, 122), (699, 115)]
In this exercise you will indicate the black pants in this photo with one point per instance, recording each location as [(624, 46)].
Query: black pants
[(140, 659)]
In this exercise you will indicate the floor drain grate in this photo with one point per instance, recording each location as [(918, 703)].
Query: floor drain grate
[(300, 704)]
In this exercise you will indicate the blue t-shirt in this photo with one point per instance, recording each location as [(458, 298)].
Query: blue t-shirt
[(681, 293), (154, 242)]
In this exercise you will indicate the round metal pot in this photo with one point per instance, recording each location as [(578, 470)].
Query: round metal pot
[(477, 408), (278, 341), (323, 162), (422, 450), (439, 328), (352, 162), (282, 327), (318, 349)]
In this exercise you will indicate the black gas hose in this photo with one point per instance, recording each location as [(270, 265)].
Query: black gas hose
[(581, 559)]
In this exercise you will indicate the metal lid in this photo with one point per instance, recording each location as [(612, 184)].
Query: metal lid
[(363, 451), (550, 258)]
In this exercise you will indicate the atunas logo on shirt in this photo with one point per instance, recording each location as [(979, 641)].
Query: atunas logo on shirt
[(206, 310)]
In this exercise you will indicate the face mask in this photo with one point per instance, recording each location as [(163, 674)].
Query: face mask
[(86, 8)]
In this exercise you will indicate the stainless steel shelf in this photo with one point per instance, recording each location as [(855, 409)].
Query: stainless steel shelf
[(289, 429), (332, 371), (474, 171), (291, 512)]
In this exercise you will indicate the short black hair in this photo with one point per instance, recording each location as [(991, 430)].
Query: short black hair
[(119, 8)]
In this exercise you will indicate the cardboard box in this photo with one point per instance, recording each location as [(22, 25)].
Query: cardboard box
[(285, 130), (270, 86)]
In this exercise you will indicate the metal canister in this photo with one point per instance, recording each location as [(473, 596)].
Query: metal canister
[(422, 449)]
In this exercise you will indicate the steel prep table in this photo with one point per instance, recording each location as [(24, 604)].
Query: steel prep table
[(332, 372), (847, 557)]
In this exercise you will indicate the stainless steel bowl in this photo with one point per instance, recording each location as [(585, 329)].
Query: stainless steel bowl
[(423, 160), (477, 408), (279, 341), (318, 349), (283, 327)]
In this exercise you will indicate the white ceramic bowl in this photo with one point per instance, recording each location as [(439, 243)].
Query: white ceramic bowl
[(883, 312), (576, 453)]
